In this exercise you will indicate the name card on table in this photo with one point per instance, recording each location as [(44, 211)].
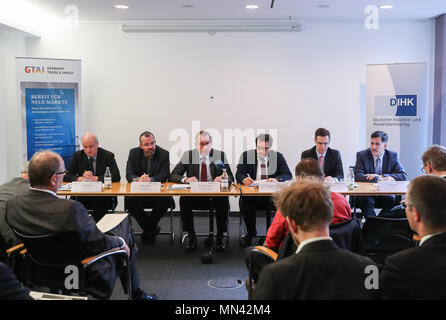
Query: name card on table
[(393, 186), (92, 186), (273, 186), (205, 187), (145, 187), (337, 186)]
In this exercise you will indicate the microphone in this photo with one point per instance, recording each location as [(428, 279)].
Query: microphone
[(219, 164)]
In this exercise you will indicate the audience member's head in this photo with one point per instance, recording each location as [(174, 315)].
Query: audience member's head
[(426, 204), (307, 206), (309, 168), (434, 160), (46, 170)]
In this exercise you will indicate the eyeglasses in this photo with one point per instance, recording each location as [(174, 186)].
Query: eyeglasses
[(423, 170), (322, 143), (62, 172), (203, 144)]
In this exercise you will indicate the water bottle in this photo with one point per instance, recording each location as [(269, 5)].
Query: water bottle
[(107, 179), (351, 178), (224, 184)]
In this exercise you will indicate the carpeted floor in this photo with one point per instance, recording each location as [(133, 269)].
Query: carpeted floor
[(172, 274)]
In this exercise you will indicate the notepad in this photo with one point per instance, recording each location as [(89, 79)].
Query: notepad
[(178, 187), (110, 221)]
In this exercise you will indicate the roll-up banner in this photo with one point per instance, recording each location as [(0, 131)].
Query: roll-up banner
[(396, 104), (49, 96)]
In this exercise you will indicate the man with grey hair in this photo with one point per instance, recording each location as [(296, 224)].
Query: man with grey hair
[(203, 164), (419, 272), (89, 164), (434, 160), (319, 269), (17, 185), (40, 212)]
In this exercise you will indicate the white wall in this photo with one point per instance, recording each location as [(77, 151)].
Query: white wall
[(12, 44), (292, 82)]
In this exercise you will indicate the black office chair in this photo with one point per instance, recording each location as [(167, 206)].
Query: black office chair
[(48, 256), (386, 236), (256, 257), (11, 257), (347, 235), (170, 233)]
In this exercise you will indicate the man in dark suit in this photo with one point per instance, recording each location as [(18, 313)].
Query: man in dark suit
[(148, 163), (377, 164), (203, 164), (419, 272), (90, 164), (259, 164), (329, 159), (10, 287), (8, 190), (319, 269), (40, 212)]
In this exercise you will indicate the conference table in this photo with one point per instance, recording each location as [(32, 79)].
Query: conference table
[(238, 190), (124, 189)]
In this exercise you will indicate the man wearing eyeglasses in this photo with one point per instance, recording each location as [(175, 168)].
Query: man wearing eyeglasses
[(203, 164), (374, 164), (434, 161), (40, 212), (329, 159), (264, 164), (148, 163), (419, 272), (89, 164)]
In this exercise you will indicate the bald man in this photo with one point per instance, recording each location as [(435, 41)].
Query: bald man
[(90, 164), (40, 212)]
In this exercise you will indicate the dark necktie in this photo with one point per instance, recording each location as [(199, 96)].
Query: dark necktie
[(204, 174), (378, 169), (90, 160), (263, 174), (321, 161)]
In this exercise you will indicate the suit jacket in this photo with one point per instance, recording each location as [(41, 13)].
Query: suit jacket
[(276, 166), (40, 213), (190, 165), (79, 163), (391, 166), (7, 191), (319, 271), (416, 273), (332, 162), (137, 165), (10, 287)]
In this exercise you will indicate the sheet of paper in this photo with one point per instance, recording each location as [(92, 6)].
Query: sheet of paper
[(273, 186), (51, 296), (110, 221)]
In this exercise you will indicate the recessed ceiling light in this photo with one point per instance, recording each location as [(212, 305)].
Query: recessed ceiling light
[(323, 6), (386, 6), (121, 6), (251, 6), (187, 6)]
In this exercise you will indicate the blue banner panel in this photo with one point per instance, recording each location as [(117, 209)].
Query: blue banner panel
[(51, 121)]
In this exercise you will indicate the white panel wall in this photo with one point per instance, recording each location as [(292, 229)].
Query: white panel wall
[(291, 82), (12, 44)]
